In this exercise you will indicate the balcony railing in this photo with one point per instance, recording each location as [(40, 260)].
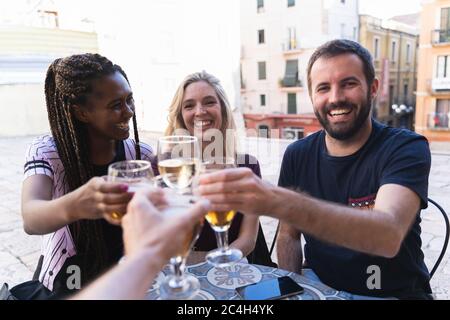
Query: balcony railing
[(438, 121), (290, 83), (440, 36), (440, 84)]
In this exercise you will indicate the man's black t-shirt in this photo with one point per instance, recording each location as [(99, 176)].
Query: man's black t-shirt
[(390, 156)]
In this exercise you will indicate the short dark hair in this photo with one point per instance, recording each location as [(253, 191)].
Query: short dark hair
[(337, 47)]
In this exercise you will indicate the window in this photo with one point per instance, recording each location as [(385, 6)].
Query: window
[(391, 96), (292, 103), (443, 67), (405, 93), (263, 131), (293, 133), (292, 36), (291, 3), (49, 19), (259, 5), (291, 74), (343, 30), (393, 51), (262, 100), (444, 33), (262, 70), (376, 48), (445, 21), (261, 38), (408, 53), (440, 118), (242, 79)]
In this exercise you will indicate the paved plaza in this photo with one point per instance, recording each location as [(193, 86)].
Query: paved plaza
[(19, 252)]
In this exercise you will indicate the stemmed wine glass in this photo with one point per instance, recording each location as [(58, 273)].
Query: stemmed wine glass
[(179, 285), (178, 158), (220, 221), (135, 173)]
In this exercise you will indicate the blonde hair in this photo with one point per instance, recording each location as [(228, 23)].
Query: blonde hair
[(175, 117)]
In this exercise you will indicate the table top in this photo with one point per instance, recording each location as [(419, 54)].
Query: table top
[(220, 283)]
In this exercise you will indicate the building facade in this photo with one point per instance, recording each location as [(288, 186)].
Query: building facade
[(277, 40), (29, 41), (433, 88), (394, 46), (160, 42)]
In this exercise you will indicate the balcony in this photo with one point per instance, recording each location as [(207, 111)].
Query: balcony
[(440, 37), (290, 85), (440, 85), (438, 121)]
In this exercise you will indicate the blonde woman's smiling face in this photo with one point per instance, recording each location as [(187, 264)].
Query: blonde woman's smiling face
[(201, 108)]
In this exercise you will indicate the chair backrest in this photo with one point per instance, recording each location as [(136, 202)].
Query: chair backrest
[(447, 231), (444, 247), (274, 239)]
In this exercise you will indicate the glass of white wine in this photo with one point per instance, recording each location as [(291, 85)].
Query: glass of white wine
[(178, 285), (135, 173), (178, 158), (220, 221)]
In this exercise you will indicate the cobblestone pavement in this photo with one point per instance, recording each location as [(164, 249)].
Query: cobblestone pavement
[(19, 252)]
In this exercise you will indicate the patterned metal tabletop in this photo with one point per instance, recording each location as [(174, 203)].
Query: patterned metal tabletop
[(220, 283)]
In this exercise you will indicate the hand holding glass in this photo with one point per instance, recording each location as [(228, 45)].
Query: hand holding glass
[(178, 285), (220, 221), (135, 173)]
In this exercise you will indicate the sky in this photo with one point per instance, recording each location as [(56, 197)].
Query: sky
[(388, 8), (378, 8)]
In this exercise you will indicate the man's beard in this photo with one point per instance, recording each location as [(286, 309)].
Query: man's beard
[(348, 131)]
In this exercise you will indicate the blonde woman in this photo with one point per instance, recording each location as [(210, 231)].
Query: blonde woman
[(200, 107)]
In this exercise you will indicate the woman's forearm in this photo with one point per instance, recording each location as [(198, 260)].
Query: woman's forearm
[(46, 216), (248, 234), (244, 244)]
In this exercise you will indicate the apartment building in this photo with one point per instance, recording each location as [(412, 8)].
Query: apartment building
[(277, 40), (433, 87), (393, 44)]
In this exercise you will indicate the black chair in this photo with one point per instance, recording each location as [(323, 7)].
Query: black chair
[(444, 247), (447, 231), (274, 239)]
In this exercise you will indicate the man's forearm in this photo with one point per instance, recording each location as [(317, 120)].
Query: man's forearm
[(351, 228)]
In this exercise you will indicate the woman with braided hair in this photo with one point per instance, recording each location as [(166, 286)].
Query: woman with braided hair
[(89, 104)]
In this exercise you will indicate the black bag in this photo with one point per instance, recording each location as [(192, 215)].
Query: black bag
[(5, 293), (260, 255), (29, 290)]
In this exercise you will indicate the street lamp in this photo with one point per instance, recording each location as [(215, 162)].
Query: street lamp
[(402, 112)]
